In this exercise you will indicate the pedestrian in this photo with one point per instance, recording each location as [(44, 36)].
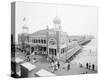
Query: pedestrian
[(53, 69), (52, 60), (28, 58), (93, 67), (53, 66), (58, 65), (68, 67), (87, 65), (81, 65), (86, 72)]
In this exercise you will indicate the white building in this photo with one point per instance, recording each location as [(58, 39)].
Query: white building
[(52, 42)]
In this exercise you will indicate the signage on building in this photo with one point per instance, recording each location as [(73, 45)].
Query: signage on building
[(52, 42), (52, 33)]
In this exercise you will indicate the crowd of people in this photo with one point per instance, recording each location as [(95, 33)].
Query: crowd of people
[(55, 65), (67, 66), (90, 66)]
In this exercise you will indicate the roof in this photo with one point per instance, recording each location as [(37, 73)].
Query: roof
[(44, 32), (43, 73), (29, 66), (56, 20)]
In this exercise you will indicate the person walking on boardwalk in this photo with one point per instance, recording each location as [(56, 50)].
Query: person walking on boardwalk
[(53, 67), (58, 65), (87, 65), (81, 65), (93, 67), (68, 67)]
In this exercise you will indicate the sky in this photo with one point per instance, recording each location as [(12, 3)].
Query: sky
[(75, 20)]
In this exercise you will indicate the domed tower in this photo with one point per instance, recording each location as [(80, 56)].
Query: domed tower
[(57, 26), (57, 23)]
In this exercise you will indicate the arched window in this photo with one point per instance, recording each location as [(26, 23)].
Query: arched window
[(44, 41), (36, 40), (39, 41), (52, 42), (32, 40)]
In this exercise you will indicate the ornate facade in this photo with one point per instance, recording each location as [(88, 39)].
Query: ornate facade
[(52, 42)]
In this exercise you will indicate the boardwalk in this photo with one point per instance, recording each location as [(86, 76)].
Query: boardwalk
[(44, 64)]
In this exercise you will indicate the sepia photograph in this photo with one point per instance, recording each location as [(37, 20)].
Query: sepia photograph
[(53, 39)]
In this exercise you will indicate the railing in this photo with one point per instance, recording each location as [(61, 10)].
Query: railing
[(84, 41), (70, 53)]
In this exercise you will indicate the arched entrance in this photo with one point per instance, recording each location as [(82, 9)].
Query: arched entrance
[(52, 47), (52, 51)]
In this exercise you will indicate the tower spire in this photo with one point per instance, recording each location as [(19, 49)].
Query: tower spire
[(57, 21), (56, 11)]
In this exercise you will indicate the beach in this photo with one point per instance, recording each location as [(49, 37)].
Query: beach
[(88, 54)]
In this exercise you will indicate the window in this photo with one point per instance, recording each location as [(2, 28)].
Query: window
[(63, 50), (44, 41), (44, 48), (36, 40), (39, 41), (32, 41)]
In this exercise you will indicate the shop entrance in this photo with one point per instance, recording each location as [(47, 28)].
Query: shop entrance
[(52, 52)]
